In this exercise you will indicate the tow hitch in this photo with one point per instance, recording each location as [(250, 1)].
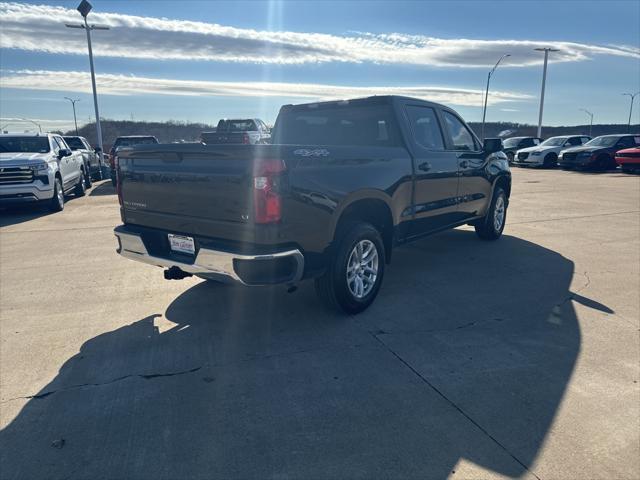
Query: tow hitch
[(174, 273)]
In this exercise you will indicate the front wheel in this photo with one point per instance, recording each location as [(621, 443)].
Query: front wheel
[(492, 225), (56, 204), (550, 161), (355, 271)]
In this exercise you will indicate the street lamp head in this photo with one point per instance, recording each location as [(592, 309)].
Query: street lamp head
[(84, 8), (546, 49)]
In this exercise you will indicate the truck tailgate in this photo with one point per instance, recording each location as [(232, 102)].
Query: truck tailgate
[(195, 189)]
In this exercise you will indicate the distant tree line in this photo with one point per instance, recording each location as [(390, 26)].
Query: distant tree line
[(165, 132), (175, 131)]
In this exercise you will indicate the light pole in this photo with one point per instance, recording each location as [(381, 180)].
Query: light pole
[(73, 103), (84, 8), (590, 115), (633, 97), (546, 51), (486, 93), (35, 123)]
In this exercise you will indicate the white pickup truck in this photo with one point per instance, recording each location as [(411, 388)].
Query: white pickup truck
[(39, 168)]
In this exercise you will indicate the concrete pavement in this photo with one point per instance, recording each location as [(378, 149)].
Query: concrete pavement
[(517, 358)]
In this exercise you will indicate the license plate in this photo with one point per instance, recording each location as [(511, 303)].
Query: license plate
[(182, 244)]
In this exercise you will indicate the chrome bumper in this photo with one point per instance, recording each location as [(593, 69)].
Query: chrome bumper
[(208, 263)]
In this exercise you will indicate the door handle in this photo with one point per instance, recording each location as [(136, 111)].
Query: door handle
[(464, 164), (424, 166)]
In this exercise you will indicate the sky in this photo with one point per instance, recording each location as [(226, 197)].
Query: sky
[(199, 61)]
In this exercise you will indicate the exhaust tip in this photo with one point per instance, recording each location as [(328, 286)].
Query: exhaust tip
[(175, 273)]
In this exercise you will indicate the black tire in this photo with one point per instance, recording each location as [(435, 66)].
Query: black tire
[(56, 204), (488, 228), (81, 187), (550, 161), (333, 288), (602, 163), (87, 179)]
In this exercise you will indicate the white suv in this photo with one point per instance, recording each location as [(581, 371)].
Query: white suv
[(39, 168), (546, 154)]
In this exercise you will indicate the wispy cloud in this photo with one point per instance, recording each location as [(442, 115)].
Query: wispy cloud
[(40, 28), (109, 84)]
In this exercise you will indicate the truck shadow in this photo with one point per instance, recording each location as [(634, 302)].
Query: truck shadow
[(465, 355), (103, 188)]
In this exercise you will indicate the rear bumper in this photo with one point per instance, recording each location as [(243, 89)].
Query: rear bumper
[(281, 267)]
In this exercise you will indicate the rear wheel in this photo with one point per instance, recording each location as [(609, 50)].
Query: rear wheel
[(56, 204), (81, 187), (492, 225), (354, 274), (87, 179)]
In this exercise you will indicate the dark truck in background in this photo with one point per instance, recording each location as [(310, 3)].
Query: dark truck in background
[(342, 184), (246, 131), (126, 141)]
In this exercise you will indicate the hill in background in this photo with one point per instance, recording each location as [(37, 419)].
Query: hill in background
[(172, 131)]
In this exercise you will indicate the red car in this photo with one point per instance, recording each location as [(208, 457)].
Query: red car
[(629, 159)]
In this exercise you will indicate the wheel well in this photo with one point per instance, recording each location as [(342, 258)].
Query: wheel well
[(505, 184), (373, 211)]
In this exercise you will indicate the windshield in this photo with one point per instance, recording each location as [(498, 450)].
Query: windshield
[(554, 141), (129, 142), (74, 143), (602, 141), (337, 125), (512, 142), (238, 126), (24, 144)]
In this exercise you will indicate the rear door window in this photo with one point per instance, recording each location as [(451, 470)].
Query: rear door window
[(460, 136), (425, 126), (626, 142), (337, 124)]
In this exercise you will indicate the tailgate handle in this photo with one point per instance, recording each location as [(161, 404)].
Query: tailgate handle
[(171, 157)]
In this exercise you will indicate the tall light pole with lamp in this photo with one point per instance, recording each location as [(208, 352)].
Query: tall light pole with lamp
[(84, 8), (546, 51), (590, 115), (486, 93), (633, 97), (73, 103)]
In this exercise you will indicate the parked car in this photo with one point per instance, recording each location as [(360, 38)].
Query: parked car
[(513, 144), (127, 141), (39, 168), (546, 154), (629, 159), (342, 184), (91, 157), (247, 131), (599, 153)]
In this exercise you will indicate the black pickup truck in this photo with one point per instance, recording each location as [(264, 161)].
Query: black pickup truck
[(341, 185)]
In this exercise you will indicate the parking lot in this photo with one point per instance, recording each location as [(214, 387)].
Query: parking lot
[(515, 358)]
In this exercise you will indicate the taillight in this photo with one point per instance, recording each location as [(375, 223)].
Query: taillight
[(116, 165), (245, 139), (266, 190)]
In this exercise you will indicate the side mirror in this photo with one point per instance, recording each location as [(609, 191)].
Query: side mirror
[(97, 149), (64, 152), (492, 145)]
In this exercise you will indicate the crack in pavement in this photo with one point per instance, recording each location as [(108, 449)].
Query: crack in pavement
[(572, 218), (148, 376), (453, 404)]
